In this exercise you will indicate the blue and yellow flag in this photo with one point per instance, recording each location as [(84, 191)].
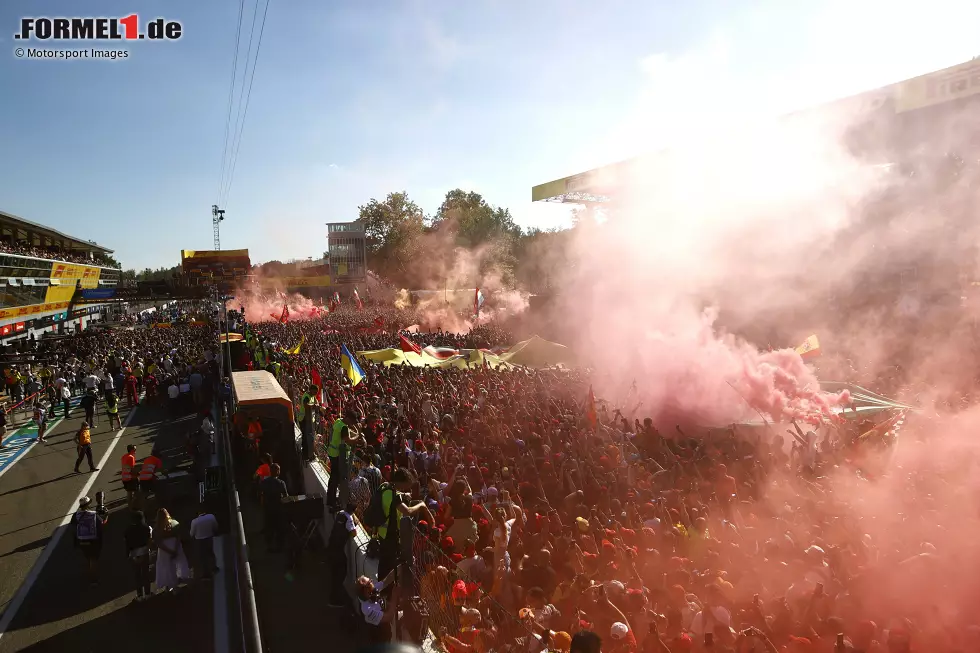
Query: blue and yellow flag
[(349, 363)]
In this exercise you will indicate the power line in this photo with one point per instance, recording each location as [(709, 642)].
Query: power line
[(236, 147), (231, 95), (238, 105)]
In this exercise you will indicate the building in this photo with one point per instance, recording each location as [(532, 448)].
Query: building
[(224, 268), (347, 253), (40, 268)]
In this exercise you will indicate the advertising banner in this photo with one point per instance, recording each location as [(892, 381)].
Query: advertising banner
[(27, 311), (58, 294), (296, 282), (99, 293), (89, 275), (939, 87), (224, 263)]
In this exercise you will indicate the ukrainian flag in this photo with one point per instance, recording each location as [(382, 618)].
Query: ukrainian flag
[(349, 363)]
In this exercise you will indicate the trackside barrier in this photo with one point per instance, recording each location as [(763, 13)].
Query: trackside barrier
[(251, 632), (316, 477)]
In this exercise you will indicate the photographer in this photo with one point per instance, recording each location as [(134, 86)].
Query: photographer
[(377, 610), (88, 524)]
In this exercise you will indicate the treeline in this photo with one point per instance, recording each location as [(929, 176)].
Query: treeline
[(149, 274), (465, 242)]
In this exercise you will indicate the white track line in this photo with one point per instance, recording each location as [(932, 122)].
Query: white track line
[(22, 453), (25, 587)]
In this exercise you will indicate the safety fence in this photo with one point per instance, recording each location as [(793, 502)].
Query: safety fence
[(242, 579), (24, 409), (461, 605)]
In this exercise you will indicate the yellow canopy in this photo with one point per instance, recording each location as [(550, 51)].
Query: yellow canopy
[(471, 358), (537, 352)]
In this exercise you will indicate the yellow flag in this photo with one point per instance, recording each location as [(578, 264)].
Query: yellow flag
[(295, 350)]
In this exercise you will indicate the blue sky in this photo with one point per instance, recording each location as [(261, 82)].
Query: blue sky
[(352, 100)]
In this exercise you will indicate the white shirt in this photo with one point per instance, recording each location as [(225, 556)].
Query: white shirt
[(173, 392), (721, 617), (91, 381), (204, 526)]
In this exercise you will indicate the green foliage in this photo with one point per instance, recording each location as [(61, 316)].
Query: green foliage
[(392, 229), (407, 247), (148, 274)]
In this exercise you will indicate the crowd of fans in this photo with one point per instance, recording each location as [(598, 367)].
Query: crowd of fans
[(534, 521), (100, 371), (25, 249)]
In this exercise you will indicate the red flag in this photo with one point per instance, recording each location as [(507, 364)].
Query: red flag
[(315, 378), (379, 322), (590, 411), (408, 345), (285, 315)]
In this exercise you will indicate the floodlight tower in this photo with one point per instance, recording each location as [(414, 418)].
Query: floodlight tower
[(217, 215)]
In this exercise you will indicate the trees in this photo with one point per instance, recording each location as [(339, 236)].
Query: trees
[(392, 230), (466, 242), (488, 232), (149, 274)]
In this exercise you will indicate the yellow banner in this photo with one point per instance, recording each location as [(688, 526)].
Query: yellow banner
[(69, 272), (56, 294), (34, 309), (224, 253), (296, 282), (939, 87)]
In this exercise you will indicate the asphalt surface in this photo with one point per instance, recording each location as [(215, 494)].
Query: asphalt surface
[(304, 622), (62, 611)]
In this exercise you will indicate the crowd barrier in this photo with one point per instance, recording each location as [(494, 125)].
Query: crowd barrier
[(433, 578)]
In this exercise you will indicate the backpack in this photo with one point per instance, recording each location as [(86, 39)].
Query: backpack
[(86, 529), (374, 516)]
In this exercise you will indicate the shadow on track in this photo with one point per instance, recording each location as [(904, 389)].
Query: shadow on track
[(63, 612)]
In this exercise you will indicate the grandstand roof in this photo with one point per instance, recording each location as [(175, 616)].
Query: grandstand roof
[(77, 243), (942, 87)]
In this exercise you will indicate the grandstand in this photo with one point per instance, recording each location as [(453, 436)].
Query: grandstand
[(889, 124), (40, 268), (224, 268)]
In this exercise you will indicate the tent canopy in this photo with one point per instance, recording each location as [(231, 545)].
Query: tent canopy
[(538, 352)]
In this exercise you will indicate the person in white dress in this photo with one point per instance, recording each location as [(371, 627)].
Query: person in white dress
[(172, 564)]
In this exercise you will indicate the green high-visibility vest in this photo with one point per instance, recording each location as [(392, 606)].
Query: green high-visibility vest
[(336, 438)]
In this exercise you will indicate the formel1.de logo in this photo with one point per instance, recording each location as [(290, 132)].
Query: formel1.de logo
[(43, 28)]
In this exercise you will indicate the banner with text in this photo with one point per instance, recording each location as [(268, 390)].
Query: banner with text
[(28, 311), (68, 274)]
